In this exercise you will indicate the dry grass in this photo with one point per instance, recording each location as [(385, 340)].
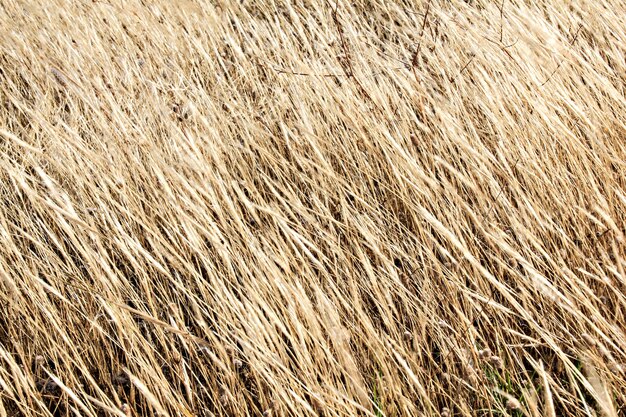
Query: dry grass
[(296, 208)]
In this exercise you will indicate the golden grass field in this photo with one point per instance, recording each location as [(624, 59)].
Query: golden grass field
[(310, 208)]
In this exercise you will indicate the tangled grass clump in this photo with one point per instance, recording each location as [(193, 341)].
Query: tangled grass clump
[(301, 208)]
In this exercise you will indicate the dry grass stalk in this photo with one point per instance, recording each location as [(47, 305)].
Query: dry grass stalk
[(295, 208)]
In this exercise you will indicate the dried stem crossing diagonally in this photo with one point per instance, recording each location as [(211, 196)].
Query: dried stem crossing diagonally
[(573, 41), (312, 208), (416, 56)]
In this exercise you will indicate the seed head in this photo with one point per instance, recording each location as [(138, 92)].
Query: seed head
[(204, 350), (59, 77), (587, 338), (617, 368), (484, 354), (126, 410), (513, 405), (496, 362)]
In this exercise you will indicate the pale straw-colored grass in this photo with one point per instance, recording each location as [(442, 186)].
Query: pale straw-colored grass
[(299, 208)]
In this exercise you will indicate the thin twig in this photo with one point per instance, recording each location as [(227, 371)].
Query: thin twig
[(505, 48), (469, 61), (501, 19), (580, 26), (419, 44), (499, 194), (348, 66)]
